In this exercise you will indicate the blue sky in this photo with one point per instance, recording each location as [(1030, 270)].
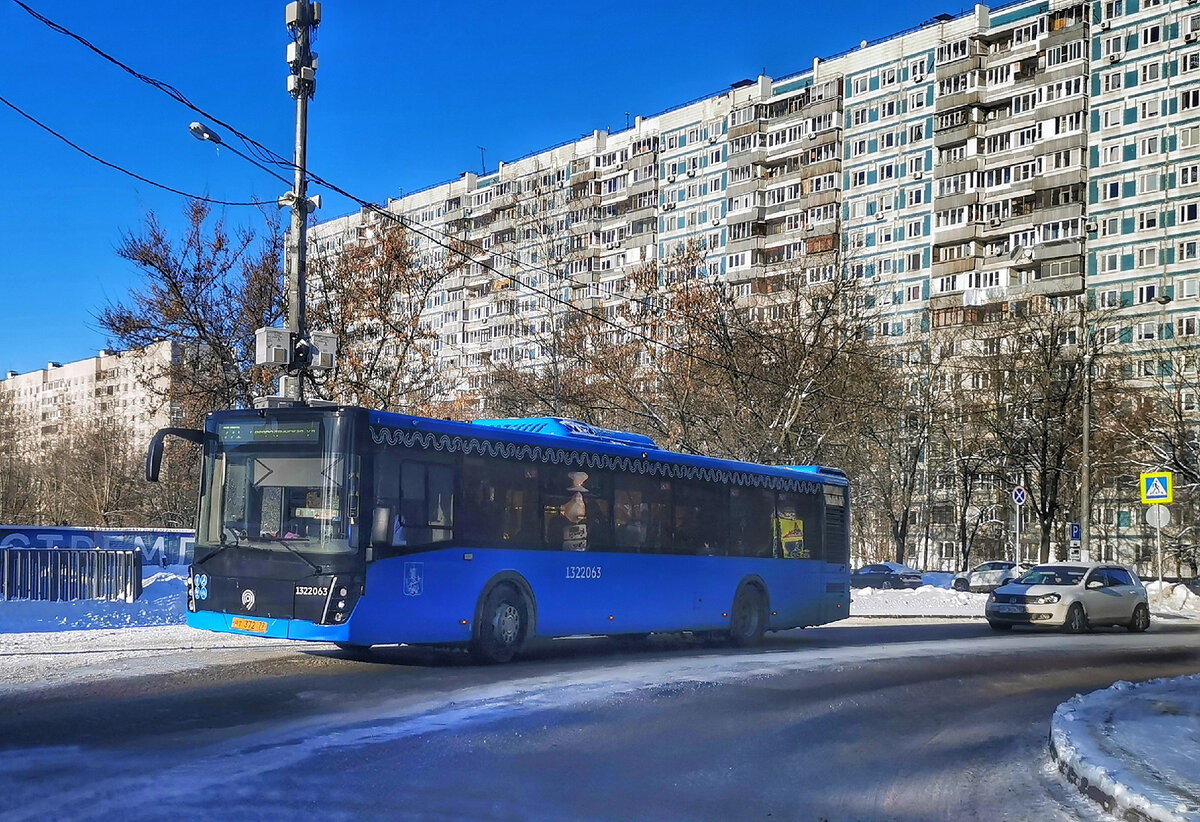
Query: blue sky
[(406, 94)]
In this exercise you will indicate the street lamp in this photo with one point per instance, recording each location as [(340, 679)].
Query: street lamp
[(206, 135)]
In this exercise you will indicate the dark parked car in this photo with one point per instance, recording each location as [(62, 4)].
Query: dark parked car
[(885, 575)]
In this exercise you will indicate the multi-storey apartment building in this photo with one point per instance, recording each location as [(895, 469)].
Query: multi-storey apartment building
[(1042, 148), (112, 387)]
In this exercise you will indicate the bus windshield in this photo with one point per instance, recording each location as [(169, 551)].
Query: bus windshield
[(276, 484)]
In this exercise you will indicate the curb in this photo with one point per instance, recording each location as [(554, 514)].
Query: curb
[(1105, 799), (1090, 781)]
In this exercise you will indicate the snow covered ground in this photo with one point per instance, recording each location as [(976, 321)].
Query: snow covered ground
[(1108, 737)]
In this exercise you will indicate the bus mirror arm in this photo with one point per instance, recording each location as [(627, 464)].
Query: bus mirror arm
[(155, 453)]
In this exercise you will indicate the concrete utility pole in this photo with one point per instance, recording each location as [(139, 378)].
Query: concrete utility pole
[(302, 16)]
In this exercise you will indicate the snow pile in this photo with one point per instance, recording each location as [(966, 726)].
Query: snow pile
[(926, 601), (1173, 598), (163, 602), (1118, 740)]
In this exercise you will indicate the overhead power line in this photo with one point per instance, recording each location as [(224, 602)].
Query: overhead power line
[(114, 166)]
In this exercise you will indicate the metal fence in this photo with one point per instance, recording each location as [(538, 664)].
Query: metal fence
[(64, 574)]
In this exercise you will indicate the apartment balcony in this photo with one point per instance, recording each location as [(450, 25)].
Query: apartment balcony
[(830, 105), (823, 138), (582, 174), (758, 155), (753, 243), (1060, 249), (973, 61), (744, 187), (640, 212), (746, 128), (1067, 34), (948, 299), (956, 134), (950, 267), (960, 199), (968, 166), (820, 198), (810, 170), (643, 186), (953, 235), (1067, 285), (641, 239), (755, 214), (1060, 177), (961, 99)]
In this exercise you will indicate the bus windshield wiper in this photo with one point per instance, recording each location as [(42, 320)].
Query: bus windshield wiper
[(229, 537), (286, 543)]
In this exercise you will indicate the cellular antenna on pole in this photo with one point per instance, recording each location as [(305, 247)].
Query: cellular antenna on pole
[(292, 347)]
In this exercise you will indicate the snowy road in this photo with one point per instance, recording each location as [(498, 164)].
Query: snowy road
[(866, 720)]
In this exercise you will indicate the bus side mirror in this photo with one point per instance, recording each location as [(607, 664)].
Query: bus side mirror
[(381, 527), (155, 453)]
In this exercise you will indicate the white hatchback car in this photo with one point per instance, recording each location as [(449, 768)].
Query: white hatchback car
[(1073, 596), (987, 576)]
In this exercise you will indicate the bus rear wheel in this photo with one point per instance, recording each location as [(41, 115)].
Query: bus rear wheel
[(502, 625), (747, 620)]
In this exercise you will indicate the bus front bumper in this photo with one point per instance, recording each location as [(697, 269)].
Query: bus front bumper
[(265, 627)]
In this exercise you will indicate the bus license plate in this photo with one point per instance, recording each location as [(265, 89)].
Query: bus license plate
[(255, 625)]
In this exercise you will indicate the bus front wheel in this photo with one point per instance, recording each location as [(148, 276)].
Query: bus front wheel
[(747, 620), (502, 625)]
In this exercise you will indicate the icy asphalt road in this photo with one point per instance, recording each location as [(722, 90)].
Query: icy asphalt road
[(866, 720)]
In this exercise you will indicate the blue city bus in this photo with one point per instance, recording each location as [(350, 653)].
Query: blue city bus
[(366, 528)]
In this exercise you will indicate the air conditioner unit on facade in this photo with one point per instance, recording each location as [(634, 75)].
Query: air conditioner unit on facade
[(879, 215), (1091, 226), (691, 172), (670, 178), (1105, 25), (812, 135), (1114, 57), (712, 139), (916, 175), (717, 221), (995, 222), (1190, 37)]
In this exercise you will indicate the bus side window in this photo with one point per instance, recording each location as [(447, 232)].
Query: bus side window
[(426, 510), (789, 528), (751, 519), (701, 512), (798, 526), (499, 504)]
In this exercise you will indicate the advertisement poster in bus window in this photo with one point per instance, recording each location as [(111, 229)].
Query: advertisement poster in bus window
[(791, 537)]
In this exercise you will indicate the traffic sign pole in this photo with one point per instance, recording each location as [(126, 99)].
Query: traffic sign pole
[(1019, 495)]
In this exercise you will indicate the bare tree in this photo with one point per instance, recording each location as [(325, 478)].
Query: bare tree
[(17, 487), (207, 291), (372, 294)]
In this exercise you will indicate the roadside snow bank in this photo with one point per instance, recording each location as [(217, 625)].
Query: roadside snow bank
[(926, 601), (1125, 747), (163, 602)]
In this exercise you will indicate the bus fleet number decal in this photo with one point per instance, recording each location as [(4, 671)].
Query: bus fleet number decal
[(583, 571)]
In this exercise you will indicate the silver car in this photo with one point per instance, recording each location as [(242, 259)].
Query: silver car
[(1073, 596), (987, 576)]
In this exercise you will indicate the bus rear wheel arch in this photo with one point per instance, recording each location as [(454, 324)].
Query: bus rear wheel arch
[(748, 616), (503, 621)]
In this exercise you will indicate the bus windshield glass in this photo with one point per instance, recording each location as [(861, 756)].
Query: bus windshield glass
[(276, 484)]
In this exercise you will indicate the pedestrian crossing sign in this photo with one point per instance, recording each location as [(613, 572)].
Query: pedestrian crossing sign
[(1157, 488)]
